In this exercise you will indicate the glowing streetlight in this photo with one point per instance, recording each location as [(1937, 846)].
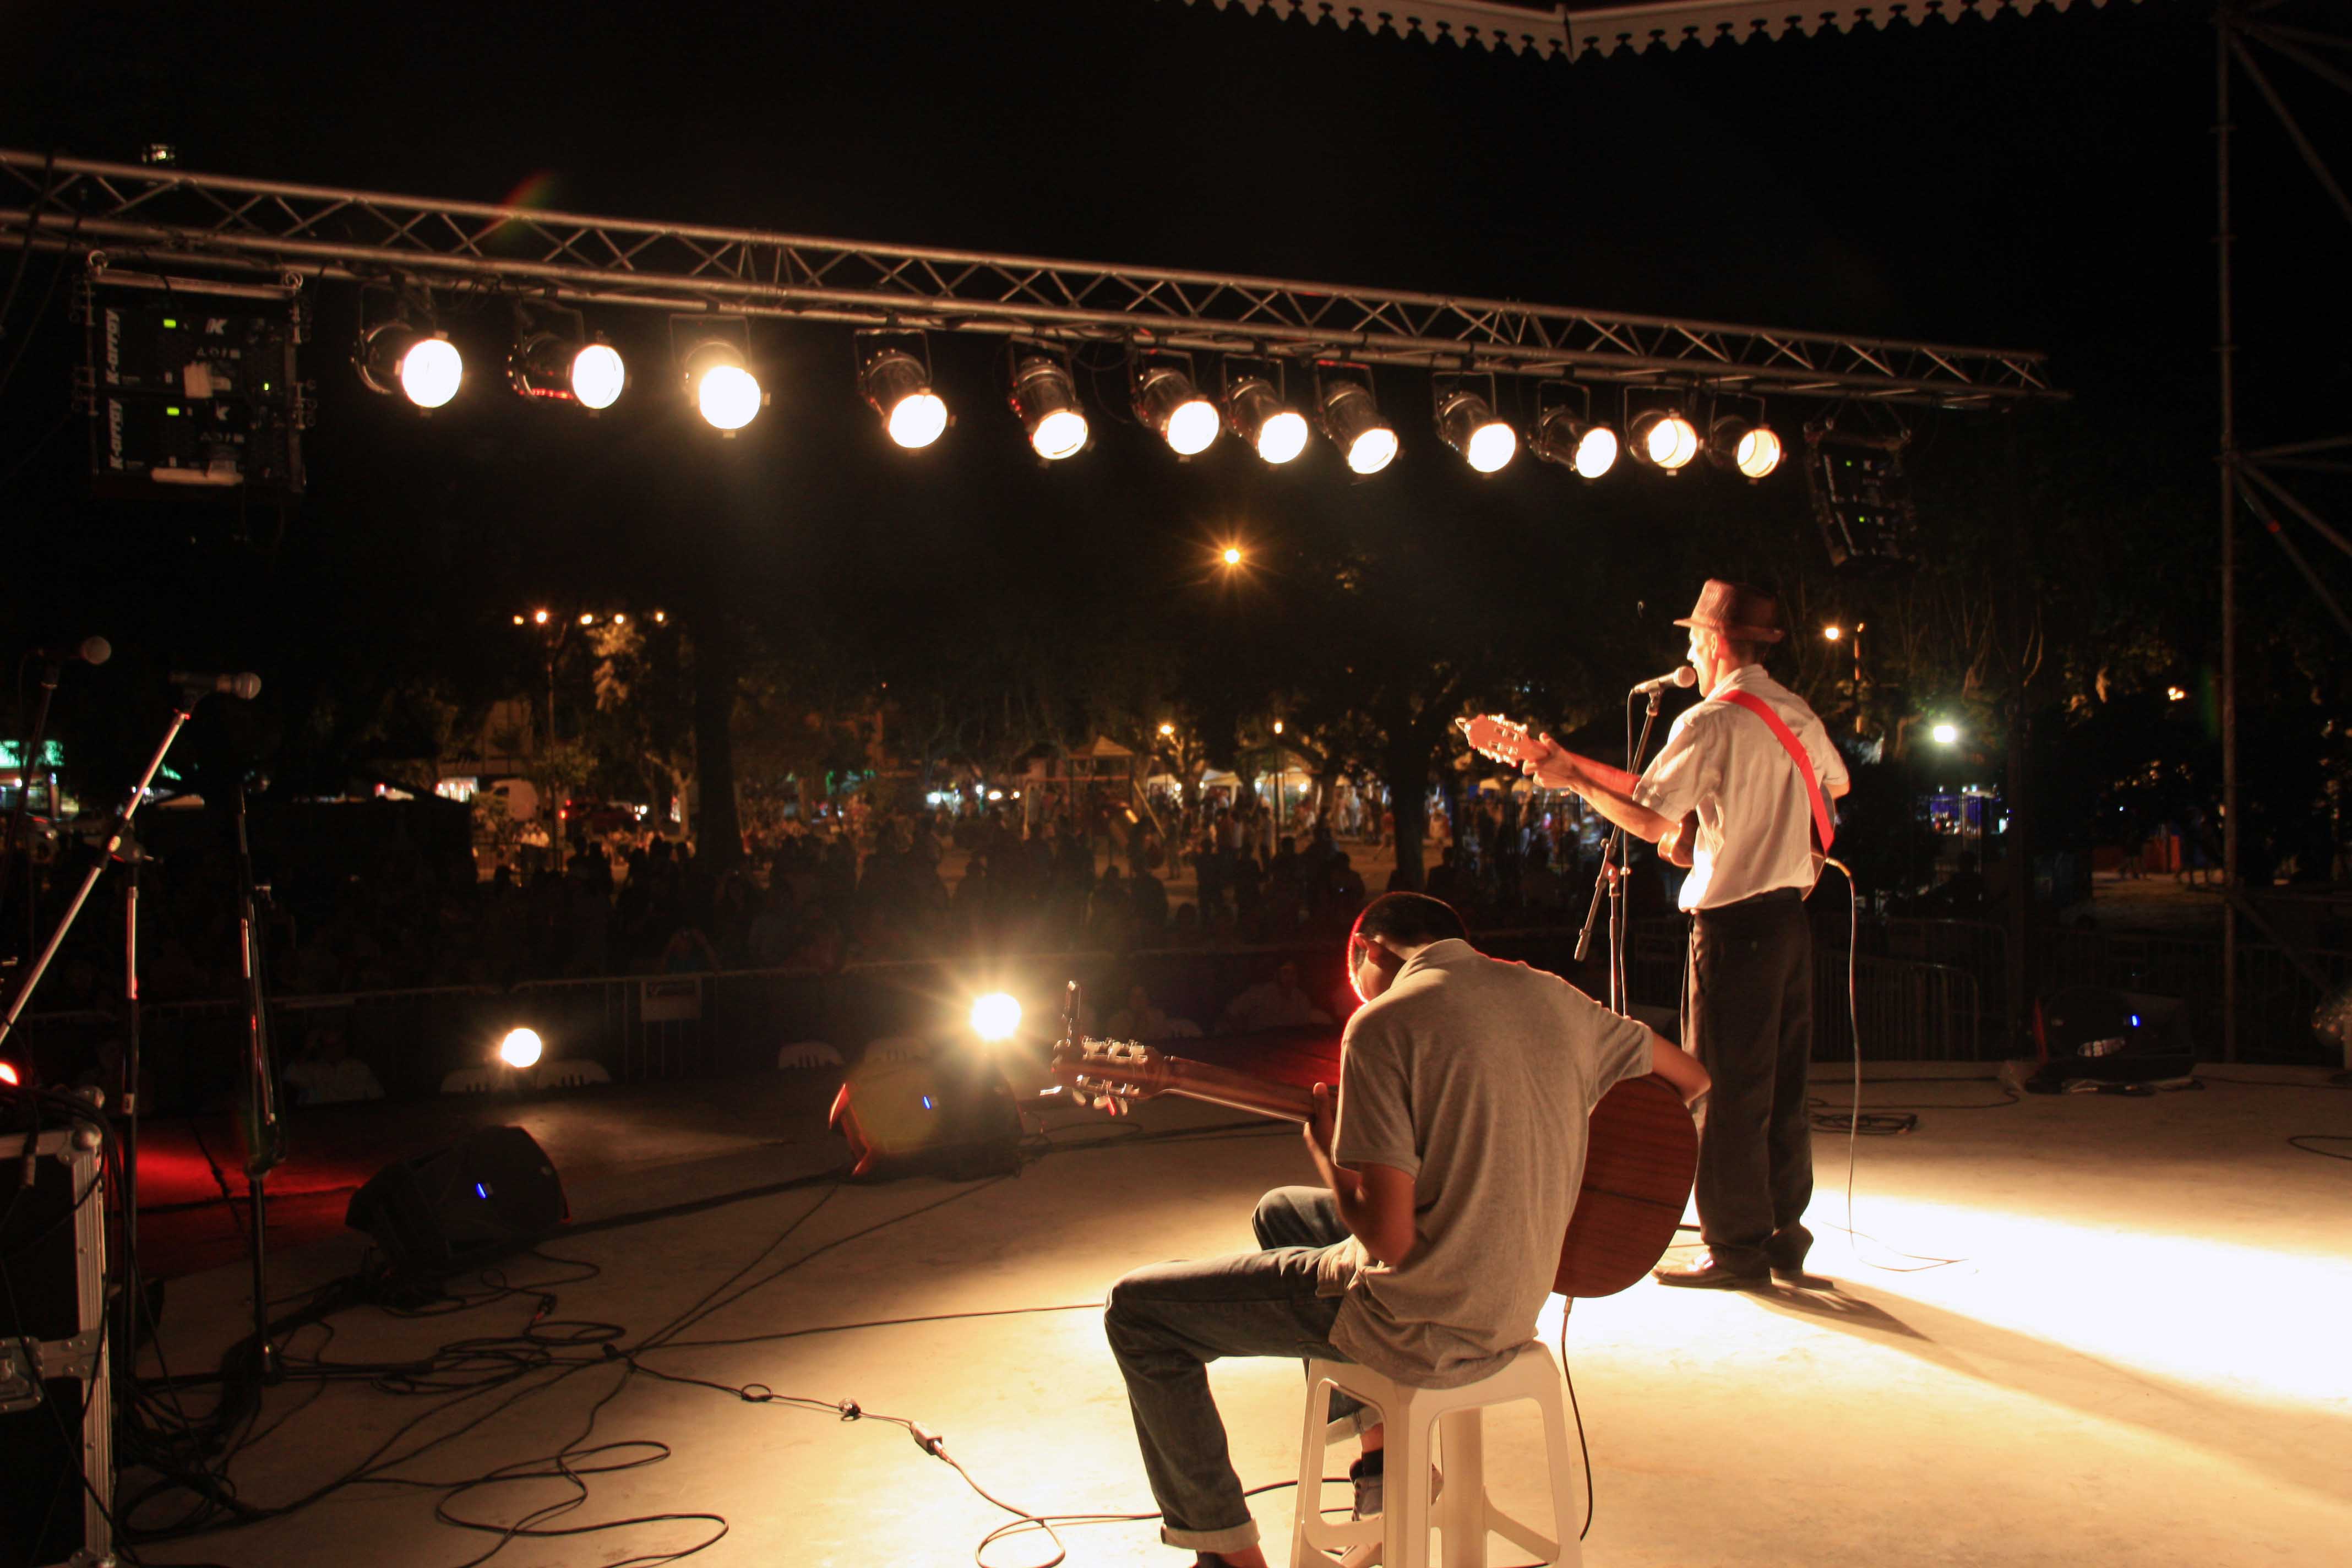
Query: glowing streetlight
[(1833, 633), (995, 1016), (518, 620), (1166, 730), (2176, 694), (1278, 726), (520, 1049), (1946, 734), (539, 617), (1231, 555)]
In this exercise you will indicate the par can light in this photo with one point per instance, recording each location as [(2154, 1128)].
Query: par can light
[(899, 389), (1588, 449), (1047, 404), (1256, 413), (1352, 420), (1165, 400), (726, 393), (521, 1047), (424, 367), (1749, 449), (1466, 424), (995, 1016), (1663, 440), (564, 370)]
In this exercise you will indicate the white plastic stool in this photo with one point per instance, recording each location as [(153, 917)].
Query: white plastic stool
[(1413, 1417)]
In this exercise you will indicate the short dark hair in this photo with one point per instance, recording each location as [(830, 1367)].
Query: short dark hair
[(1409, 920)]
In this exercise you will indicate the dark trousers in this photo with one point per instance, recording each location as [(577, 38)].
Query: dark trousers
[(1747, 1015), (1167, 1323)]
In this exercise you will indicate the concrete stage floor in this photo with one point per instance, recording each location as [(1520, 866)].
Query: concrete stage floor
[(2137, 1356)]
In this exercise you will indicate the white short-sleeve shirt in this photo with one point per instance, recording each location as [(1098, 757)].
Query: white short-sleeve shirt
[(1754, 824)]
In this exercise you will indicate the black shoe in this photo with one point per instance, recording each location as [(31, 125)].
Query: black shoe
[(1703, 1273), (1786, 1251)]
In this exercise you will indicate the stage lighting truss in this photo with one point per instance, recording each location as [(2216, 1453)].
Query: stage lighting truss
[(1167, 401), (894, 375), (1351, 417), (1257, 411), (407, 353), (714, 354), (1662, 438), (557, 361), (1468, 423), (1568, 435), (1045, 399), (1748, 447)]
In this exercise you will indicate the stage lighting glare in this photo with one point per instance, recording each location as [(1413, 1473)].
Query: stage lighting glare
[(520, 1049), (539, 617), (8, 1075), (900, 391), (1468, 426), (1352, 420), (1946, 734), (1665, 439), (1833, 633), (1231, 555), (598, 376), (1165, 400), (2176, 694), (1258, 415), (995, 1016), (1758, 453), (1047, 404), (426, 368)]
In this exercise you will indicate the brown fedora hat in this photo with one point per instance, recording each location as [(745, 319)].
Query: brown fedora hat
[(1736, 611)]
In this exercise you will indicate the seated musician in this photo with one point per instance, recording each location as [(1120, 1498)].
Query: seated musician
[(1449, 1161)]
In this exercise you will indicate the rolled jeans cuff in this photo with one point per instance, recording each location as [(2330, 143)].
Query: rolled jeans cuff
[(1238, 1538)]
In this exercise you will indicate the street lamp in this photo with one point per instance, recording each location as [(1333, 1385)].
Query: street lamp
[(1945, 734), (1231, 555)]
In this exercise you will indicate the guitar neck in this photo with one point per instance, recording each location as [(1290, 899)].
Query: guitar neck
[(1239, 1091)]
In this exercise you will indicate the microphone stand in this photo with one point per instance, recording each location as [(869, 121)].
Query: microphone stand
[(265, 1133), (1612, 887)]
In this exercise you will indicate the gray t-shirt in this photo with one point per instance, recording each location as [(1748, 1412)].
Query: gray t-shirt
[(1475, 1077)]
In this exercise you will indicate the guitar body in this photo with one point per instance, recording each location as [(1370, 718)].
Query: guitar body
[(1641, 1155)]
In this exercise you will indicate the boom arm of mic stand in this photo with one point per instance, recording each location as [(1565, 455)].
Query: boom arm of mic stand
[(116, 831)]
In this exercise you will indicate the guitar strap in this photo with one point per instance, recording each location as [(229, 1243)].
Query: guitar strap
[(1824, 826)]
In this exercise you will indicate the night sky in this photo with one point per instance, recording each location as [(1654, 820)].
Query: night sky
[(2042, 182)]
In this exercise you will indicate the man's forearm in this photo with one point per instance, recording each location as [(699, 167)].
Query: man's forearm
[(1628, 814)]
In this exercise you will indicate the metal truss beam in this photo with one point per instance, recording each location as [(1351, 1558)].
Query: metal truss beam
[(1574, 32), (163, 214)]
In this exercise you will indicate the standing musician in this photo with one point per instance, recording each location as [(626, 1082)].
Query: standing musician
[(1740, 794), (1449, 1161)]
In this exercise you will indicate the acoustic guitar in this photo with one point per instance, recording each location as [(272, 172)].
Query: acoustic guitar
[(1638, 1164), (1508, 740)]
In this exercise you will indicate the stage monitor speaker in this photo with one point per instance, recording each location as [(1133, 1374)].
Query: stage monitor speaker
[(461, 1206), (2111, 1036), (950, 1115)]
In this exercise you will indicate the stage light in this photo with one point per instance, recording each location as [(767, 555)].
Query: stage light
[(995, 1016), (899, 388), (520, 1049), (1750, 449), (425, 367), (1466, 424), (1258, 415), (567, 370), (1231, 555), (1047, 403), (1165, 400), (8, 1075), (1588, 449), (539, 617), (1833, 633), (1946, 734), (726, 393), (1352, 420), (1663, 440)]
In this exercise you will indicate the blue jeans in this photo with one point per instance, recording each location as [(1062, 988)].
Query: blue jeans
[(1167, 1323)]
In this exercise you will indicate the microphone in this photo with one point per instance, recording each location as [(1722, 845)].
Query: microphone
[(245, 688), (1686, 676), (89, 650)]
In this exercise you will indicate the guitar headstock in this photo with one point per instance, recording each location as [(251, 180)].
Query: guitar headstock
[(1503, 740), (1097, 1072)]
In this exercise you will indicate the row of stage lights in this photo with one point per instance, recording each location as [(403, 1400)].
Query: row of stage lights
[(551, 364)]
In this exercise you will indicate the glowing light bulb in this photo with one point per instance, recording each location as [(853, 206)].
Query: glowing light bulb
[(1232, 556), (1670, 442), (1833, 633), (916, 419), (1193, 426), (1373, 450), (727, 395), (430, 371), (1946, 734), (1596, 453), (1759, 453), (598, 376), (1059, 435), (1282, 438), (1492, 445), (995, 1016), (520, 1049)]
